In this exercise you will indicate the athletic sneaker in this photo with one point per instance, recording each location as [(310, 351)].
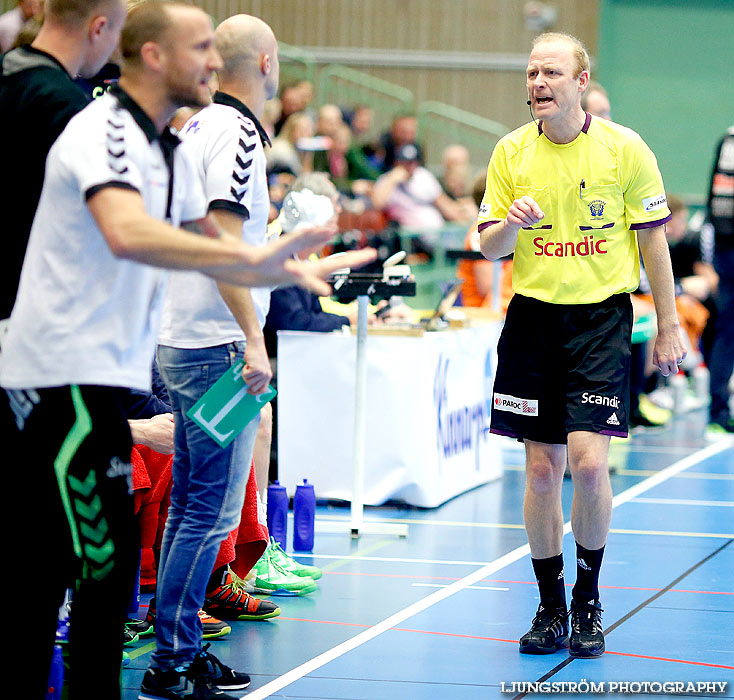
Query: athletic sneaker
[(187, 683), (231, 601), (128, 636), (720, 428), (587, 638), (278, 555), (548, 632), (212, 628), (272, 579), (221, 676), (143, 628)]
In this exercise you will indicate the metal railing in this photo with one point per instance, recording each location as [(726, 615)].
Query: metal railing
[(341, 85), (296, 64), (441, 124)]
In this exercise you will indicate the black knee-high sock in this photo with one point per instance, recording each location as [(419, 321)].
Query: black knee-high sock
[(588, 565), (549, 574)]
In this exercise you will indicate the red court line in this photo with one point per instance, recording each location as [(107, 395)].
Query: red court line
[(497, 639), (677, 661), (528, 583)]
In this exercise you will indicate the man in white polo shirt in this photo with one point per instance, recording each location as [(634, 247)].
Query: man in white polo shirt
[(83, 331), (207, 327)]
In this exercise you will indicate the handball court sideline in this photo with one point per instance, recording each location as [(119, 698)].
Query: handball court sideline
[(438, 614)]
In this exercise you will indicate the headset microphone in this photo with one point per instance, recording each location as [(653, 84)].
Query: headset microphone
[(530, 104)]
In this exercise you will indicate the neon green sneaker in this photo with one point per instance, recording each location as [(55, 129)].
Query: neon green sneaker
[(716, 430), (278, 555), (272, 579)]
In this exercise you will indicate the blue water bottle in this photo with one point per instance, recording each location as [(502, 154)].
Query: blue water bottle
[(56, 675), (56, 672), (278, 513), (304, 517)]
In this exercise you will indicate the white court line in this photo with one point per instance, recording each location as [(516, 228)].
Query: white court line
[(487, 570), (685, 502), (668, 472), (399, 560), (426, 521), (468, 588)]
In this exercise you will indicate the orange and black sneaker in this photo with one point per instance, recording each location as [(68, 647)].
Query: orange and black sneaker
[(211, 626), (230, 601)]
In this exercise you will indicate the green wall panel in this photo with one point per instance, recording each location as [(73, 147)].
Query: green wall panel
[(669, 69)]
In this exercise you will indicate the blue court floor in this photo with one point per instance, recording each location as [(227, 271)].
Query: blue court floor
[(437, 615)]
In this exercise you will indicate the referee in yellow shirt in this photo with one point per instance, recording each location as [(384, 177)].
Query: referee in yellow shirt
[(573, 196)]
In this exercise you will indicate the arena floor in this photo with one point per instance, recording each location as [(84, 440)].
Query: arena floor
[(438, 614)]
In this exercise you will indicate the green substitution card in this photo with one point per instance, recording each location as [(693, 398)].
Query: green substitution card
[(227, 408)]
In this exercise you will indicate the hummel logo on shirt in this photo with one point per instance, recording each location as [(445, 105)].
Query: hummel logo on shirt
[(613, 420)]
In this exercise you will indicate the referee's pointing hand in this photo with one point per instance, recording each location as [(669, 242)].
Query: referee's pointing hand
[(524, 212)]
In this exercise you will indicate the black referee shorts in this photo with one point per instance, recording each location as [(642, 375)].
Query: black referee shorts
[(561, 368)]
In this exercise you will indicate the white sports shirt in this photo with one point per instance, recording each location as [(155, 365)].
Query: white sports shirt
[(226, 143), (83, 316)]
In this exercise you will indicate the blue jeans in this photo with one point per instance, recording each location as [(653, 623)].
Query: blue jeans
[(208, 491)]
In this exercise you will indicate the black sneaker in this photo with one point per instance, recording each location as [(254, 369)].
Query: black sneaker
[(587, 638), (142, 628), (129, 636), (172, 685), (548, 632), (209, 666)]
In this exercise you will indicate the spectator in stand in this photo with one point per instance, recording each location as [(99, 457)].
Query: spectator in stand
[(290, 103), (410, 195), (329, 119), (454, 170), (360, 122), (271, 114), (454, 178), (11, 22), (294, 97), (403, 132), (345, 164), (596, 102), (284, 155)]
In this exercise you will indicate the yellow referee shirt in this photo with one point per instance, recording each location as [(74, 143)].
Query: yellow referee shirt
[(595, 193)]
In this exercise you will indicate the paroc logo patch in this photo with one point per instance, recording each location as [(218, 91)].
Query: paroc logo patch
[(523, 407)]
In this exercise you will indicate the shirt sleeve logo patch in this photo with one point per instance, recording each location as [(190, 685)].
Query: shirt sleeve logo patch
[(485, 209), (653, 203)]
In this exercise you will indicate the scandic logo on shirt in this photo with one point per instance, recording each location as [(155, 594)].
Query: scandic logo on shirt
[(653, 203), (524, 407), (557, 249)]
